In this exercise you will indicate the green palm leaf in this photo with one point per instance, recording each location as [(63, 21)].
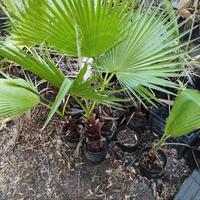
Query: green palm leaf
[(172, 14), (13, 6), (85, 89), (147, 58), (44, 69), (59, 98), (64, 24), (90, 90), (17, 96), (185, 115)]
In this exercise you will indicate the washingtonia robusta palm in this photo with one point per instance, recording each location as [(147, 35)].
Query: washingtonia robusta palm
[(139, 45)]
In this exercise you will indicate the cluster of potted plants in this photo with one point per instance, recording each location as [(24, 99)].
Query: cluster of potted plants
[(126, 43)]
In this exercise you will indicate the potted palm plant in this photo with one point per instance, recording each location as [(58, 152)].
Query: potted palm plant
[(138, 45), (95, 145), (71, 132), (183, 119)]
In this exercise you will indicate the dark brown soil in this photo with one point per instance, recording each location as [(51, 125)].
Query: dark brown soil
[(152, 162), (127, 137)]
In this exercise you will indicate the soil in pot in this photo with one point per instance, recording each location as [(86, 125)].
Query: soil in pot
[(95, 151), (71, 132), (152, 165), (137, 117), (128, 138)]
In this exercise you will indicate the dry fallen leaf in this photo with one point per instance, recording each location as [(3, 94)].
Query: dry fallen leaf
[(110, 182), (185, 13), (184, 4)]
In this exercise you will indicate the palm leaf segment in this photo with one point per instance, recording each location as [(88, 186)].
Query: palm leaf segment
[(43, 68), (185, 115), (17, 97), (89, 89), (47, 70), (13, 6), (65, 24), (146, 58)]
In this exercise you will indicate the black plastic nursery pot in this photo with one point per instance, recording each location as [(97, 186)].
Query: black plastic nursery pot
[(191, 140), (148, 170), (108, 135), (107, 131), (128, 138), (95, 156), (157, 123), (192, 155), (157, 119), (72, 130), (139, 122), (72, 142)]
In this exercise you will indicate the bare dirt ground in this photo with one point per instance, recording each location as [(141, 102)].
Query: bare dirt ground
[(39, 166)]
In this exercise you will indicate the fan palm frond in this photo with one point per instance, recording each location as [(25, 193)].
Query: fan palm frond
[(148, 57), (94, 25), (86, 89), (13, 6), (46, 69), (59, 98), (17, 96), (43, 68), (90, 90)]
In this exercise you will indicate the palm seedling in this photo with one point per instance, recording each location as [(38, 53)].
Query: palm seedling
[(184, 118), (72, 128), (137, 44), (93, 135)]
